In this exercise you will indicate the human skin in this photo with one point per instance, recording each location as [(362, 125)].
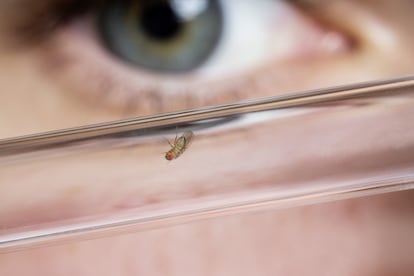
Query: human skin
[(367, 236)]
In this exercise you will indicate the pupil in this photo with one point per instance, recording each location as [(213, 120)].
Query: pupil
[(159, 21)]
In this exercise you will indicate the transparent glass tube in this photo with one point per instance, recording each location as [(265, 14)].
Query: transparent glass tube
[(276, 152)]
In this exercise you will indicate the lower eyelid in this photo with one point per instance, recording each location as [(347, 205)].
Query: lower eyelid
[(85, 68), (75, 58)]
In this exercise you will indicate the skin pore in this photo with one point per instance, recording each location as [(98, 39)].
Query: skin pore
[(67, 79)]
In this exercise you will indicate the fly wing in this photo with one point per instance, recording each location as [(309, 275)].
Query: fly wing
[(188, 136)]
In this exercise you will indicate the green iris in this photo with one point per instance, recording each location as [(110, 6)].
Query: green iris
[(170, 36)]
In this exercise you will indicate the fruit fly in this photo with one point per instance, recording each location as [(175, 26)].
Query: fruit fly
[(179, 146)]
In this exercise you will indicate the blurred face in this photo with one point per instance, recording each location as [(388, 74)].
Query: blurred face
[(67, 63)]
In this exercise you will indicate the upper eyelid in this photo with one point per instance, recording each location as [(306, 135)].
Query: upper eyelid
[(45, 16)]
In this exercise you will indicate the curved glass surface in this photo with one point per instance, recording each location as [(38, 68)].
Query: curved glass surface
[(327, 145)]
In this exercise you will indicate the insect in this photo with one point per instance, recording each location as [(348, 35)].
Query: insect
[(179, 146)]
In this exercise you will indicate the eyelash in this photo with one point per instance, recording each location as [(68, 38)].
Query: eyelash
[(159, 98)]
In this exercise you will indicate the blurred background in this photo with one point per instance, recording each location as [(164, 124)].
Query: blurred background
[(68, 63)]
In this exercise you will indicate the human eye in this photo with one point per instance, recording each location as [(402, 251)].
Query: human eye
[(145, 57)]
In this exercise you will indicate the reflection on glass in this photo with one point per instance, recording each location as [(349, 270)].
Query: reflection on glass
[(285, 151)]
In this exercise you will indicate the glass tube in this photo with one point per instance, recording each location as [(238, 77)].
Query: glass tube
[(276, 152)]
